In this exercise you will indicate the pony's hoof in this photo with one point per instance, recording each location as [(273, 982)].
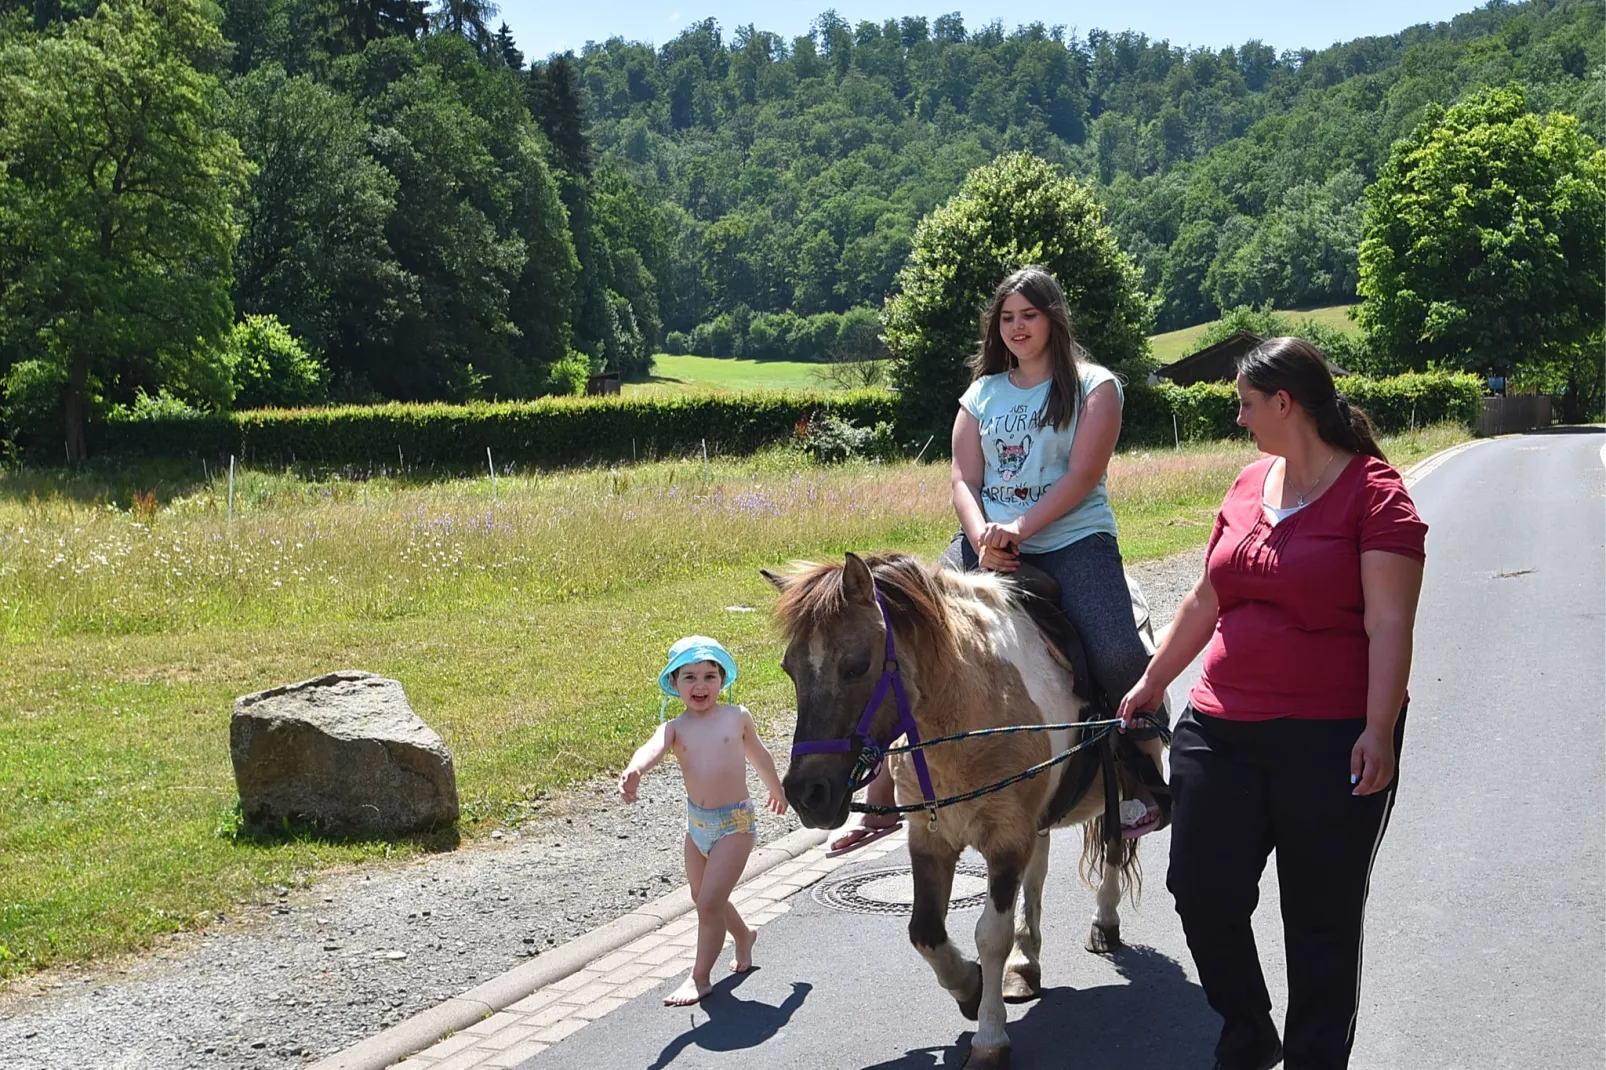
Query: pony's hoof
[(1022, 984), (1104, 940), (987, 1058), (970, 1006)]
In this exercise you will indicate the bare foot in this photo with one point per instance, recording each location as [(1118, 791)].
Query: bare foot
[(744, 953), (688, 993)]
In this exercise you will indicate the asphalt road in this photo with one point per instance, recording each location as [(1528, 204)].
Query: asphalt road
[(1486, 942)]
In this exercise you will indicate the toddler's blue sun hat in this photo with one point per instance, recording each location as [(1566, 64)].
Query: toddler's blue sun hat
[(689, 651)]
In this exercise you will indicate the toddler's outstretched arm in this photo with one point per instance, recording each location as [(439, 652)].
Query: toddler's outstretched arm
[(647, 755), (763, 763)]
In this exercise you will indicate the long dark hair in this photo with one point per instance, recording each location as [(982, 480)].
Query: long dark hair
[(992, 356), (1299, 368)]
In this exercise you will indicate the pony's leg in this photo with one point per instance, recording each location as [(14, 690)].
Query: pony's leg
[(1023, 976), (933, 865), (1105, 936), (995, 934)]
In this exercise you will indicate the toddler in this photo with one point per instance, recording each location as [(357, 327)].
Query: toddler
[(713, 742)]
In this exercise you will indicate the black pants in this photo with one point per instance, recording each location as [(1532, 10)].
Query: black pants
[(1241, 789)]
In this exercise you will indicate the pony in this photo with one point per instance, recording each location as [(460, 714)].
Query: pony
[(970, 656)]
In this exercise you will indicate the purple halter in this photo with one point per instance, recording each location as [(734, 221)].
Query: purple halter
[(871, 752)]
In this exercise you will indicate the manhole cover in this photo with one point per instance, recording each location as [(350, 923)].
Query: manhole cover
[(892, 891)]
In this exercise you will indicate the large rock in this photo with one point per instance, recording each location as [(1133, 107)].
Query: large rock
[(344, 752)]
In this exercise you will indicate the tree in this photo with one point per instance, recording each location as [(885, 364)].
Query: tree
[(469, 19), (313, 250), (506, 49), (858, 358), (1016, 211), (1484, 245), (558, 107), (117, 184), (477, 222)]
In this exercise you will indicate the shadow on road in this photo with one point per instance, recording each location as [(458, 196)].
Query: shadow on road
[(734, 1024), (1159, 1019)]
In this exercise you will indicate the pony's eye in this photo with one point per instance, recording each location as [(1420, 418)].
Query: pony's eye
[(855, 669)]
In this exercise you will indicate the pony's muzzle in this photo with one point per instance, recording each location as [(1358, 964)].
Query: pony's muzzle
[(816, 788)]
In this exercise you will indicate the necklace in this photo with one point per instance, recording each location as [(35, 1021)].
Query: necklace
[(1312, 488)]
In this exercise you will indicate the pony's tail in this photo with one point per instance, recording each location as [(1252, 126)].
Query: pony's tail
[(1098, 857)]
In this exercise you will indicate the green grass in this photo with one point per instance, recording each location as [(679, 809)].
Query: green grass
[(680, 374), (683, 374), (1174, 345), (526, 626)]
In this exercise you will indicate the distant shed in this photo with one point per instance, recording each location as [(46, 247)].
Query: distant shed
[(1212, 364), (605, 383)]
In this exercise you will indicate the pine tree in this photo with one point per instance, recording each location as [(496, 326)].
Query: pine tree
[(504, 47)]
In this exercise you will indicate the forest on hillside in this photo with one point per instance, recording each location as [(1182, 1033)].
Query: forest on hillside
[(260, 202), (794, 172)]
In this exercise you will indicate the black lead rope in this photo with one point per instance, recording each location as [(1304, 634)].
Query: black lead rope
[(1105, 727)]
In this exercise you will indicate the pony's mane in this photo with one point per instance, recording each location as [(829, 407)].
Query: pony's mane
[(916, 597)]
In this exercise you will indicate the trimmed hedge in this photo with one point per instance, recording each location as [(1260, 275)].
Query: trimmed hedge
[(557, 431), (546, 432), (1210, 410)]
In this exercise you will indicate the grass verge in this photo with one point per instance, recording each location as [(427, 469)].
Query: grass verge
[(526, 624)]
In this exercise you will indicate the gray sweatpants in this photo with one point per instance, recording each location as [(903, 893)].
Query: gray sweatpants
[(1093, 593)]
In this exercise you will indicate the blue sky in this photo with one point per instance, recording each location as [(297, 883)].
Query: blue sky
[(542, 28)]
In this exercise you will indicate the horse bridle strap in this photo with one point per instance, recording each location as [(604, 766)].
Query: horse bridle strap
[(872, 752)]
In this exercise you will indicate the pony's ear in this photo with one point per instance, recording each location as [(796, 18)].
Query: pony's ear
[(858, 585), (778, 581)]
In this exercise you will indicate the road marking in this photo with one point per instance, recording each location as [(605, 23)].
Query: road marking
[(1603, 456), (1417, 472)]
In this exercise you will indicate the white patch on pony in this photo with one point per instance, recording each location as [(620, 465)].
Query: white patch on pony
[(995, 934), (817, 652), (951, 967), (1014, 638)]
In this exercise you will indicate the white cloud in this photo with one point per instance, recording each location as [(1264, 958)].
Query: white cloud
[(674, 16)]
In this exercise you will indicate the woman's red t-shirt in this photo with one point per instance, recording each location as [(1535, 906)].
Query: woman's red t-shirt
[(1290, 640)]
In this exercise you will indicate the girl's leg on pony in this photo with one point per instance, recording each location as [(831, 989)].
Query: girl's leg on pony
[(712, 880)]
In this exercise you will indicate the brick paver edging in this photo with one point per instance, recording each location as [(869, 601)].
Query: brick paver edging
[(460, 1012)]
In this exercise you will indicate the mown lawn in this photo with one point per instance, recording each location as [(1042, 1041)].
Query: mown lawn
[(526, 626), (681, 374)]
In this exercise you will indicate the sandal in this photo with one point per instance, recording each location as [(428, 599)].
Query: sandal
[(856, 838)]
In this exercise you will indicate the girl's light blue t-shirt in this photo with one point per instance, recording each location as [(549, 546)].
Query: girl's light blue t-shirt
[(1023, 460)]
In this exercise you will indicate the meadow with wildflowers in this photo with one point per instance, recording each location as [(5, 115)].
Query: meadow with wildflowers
[(526, 620)]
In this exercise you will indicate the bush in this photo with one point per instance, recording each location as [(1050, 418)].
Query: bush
[(545, 432), (160, 406), (676, 343), (1016, 211), (569, 375), (778, 335), (1417, 398), (832, 439), (270, 368), (1209, 410), (31, 415)]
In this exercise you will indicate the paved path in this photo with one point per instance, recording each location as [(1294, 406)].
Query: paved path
[(1487, 937)]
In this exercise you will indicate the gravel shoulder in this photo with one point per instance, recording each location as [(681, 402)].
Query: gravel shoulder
[(303, 973)]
